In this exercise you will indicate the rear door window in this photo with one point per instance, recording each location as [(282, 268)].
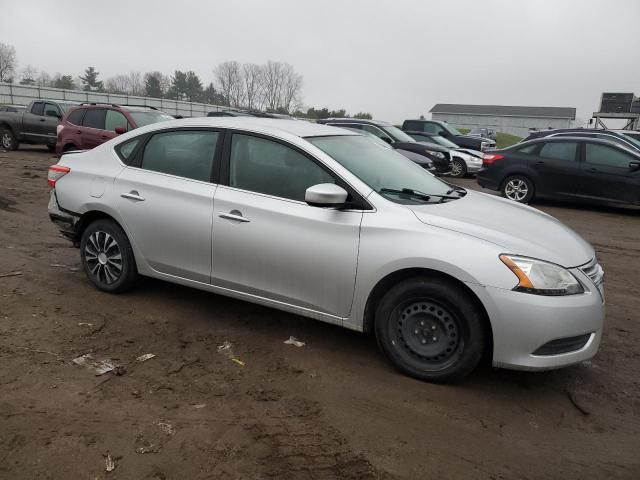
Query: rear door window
[(560, 151), (413, 126), (529, 149), (186, 153), (94, 118), (604, 155)]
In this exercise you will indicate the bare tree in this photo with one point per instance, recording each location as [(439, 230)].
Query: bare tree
[(230, 83), (43, 80), (135, 84), (291, 89), (28, 75), (272, 85), (118, 84), (253, 85), (7, 62)]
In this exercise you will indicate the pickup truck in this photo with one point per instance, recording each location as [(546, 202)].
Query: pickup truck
[(36, 124), (449, 132)]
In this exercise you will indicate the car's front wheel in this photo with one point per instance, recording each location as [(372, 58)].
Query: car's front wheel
[(458, 167), (518, 188), (431, 329), (107, 256)]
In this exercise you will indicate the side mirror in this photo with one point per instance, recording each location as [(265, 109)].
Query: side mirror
[(52, 113), (326, 195), (444, 133), (120, 130), (388, 140), (634, 166)]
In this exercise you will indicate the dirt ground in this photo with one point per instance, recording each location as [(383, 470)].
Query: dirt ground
[(334, 408)]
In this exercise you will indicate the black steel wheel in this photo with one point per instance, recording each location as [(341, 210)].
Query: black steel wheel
[(430, 328), (107, 256)]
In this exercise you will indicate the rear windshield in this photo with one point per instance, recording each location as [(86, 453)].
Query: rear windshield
[(147, 118)]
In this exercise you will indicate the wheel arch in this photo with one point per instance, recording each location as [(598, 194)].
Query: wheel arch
[(393, 278)]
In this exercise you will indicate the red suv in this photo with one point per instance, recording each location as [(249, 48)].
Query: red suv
[(91, 124)]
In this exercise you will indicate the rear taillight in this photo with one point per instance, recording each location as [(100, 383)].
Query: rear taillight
[(489, 158), (56, 172)]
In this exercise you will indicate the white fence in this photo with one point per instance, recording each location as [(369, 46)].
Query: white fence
[(23, 94)]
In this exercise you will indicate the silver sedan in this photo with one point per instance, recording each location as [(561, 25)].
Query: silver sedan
[(322, 222)]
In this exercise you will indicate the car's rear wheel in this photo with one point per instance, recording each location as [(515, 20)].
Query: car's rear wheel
[(458, 167), (51, 148), (107, 256), (8, 139), (430, 329), (518, 188)]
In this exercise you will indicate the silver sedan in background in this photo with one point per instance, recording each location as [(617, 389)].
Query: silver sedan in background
[(322, 222)]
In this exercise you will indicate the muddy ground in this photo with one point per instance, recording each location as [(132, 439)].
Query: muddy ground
[(332, 409)]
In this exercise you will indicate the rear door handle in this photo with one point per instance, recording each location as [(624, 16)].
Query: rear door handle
[(234, 215), (133, 195), (78, 132), (539, 162), (593, 169)]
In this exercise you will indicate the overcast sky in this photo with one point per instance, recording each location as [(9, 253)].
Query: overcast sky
[(395, 59)]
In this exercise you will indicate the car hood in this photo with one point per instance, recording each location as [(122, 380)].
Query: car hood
[(516, 228)]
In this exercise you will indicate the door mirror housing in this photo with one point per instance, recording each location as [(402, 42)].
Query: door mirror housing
[(388, 140), (326, 195), (634, 166), (120, 130)]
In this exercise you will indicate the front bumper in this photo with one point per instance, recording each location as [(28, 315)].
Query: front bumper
[(523, 323), (67, 222)]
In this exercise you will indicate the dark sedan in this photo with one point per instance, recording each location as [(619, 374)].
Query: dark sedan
[(575, 168)]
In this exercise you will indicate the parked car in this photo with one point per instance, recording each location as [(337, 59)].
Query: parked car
[(483, 133), (397, 139), (449, 132), (570, 168), (615, 136), (421, 160), (463, 161), (92, 124), (36, 124), (320, 222)]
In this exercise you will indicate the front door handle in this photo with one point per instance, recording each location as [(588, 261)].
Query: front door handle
[(593, 169), (539, 162), (42, 119), (234, 215), (133, 195)]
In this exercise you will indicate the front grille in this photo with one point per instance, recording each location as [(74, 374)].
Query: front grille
[(594, 271), (563, 345)]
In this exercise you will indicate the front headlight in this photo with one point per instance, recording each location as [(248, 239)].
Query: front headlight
[(541, 278), (435, 154)]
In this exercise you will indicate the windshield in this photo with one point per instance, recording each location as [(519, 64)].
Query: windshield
[(633, 138), (397, 134), (147, 118), (452, 130), (66, 106), (445, 142), (380, 168)]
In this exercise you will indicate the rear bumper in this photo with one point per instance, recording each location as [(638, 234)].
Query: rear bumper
[(68, 222), (486, 182), (532, 332)]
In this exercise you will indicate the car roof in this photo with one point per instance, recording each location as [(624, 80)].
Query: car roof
[(380, 123), (272, 126), (570, 138)]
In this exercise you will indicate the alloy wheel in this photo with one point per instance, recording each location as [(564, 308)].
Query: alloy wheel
[(103, 257), (456, 168), (7, 141), (516, 189)]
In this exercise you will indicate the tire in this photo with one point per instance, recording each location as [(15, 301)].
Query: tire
[(418, 310), (458, 168), (8, 140), (107, 257), (51, 148), (518, 188)]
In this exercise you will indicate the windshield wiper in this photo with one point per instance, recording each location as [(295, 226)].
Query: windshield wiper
[(417, 193), (456, 189)]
